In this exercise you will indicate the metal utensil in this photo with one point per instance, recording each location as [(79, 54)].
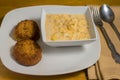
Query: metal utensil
[(99, 23), (108, 16)]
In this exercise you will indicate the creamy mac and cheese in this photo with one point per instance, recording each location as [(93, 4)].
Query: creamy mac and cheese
[(66, 27)]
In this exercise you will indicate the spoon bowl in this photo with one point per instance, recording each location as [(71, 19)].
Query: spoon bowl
[(106, 13)]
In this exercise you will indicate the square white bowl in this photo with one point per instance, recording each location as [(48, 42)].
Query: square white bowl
[(68, 10)]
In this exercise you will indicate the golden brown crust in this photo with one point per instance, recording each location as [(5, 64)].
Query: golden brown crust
[(27, 52), (26, 29)]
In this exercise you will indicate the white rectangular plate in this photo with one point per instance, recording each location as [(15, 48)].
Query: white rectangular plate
[(54, 61)]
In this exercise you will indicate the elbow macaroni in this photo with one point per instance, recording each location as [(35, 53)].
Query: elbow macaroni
[(66, 27)]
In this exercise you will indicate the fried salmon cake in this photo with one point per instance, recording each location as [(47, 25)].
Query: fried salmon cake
[(26, 29), (27, 52)]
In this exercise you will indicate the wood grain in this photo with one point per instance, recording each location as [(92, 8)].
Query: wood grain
[(7, 5)]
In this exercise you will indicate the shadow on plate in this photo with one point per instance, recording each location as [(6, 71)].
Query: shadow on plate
[(1, 18)]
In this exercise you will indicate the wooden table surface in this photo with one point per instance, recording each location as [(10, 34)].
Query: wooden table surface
[(7, 5)]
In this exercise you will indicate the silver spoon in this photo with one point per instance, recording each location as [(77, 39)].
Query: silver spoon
[(108, 16)]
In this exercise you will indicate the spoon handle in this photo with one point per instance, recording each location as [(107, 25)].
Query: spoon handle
[(116, 30), (115, 54)]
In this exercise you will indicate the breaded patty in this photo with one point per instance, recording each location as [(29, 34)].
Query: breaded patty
[(27, 52), (26, 29)]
